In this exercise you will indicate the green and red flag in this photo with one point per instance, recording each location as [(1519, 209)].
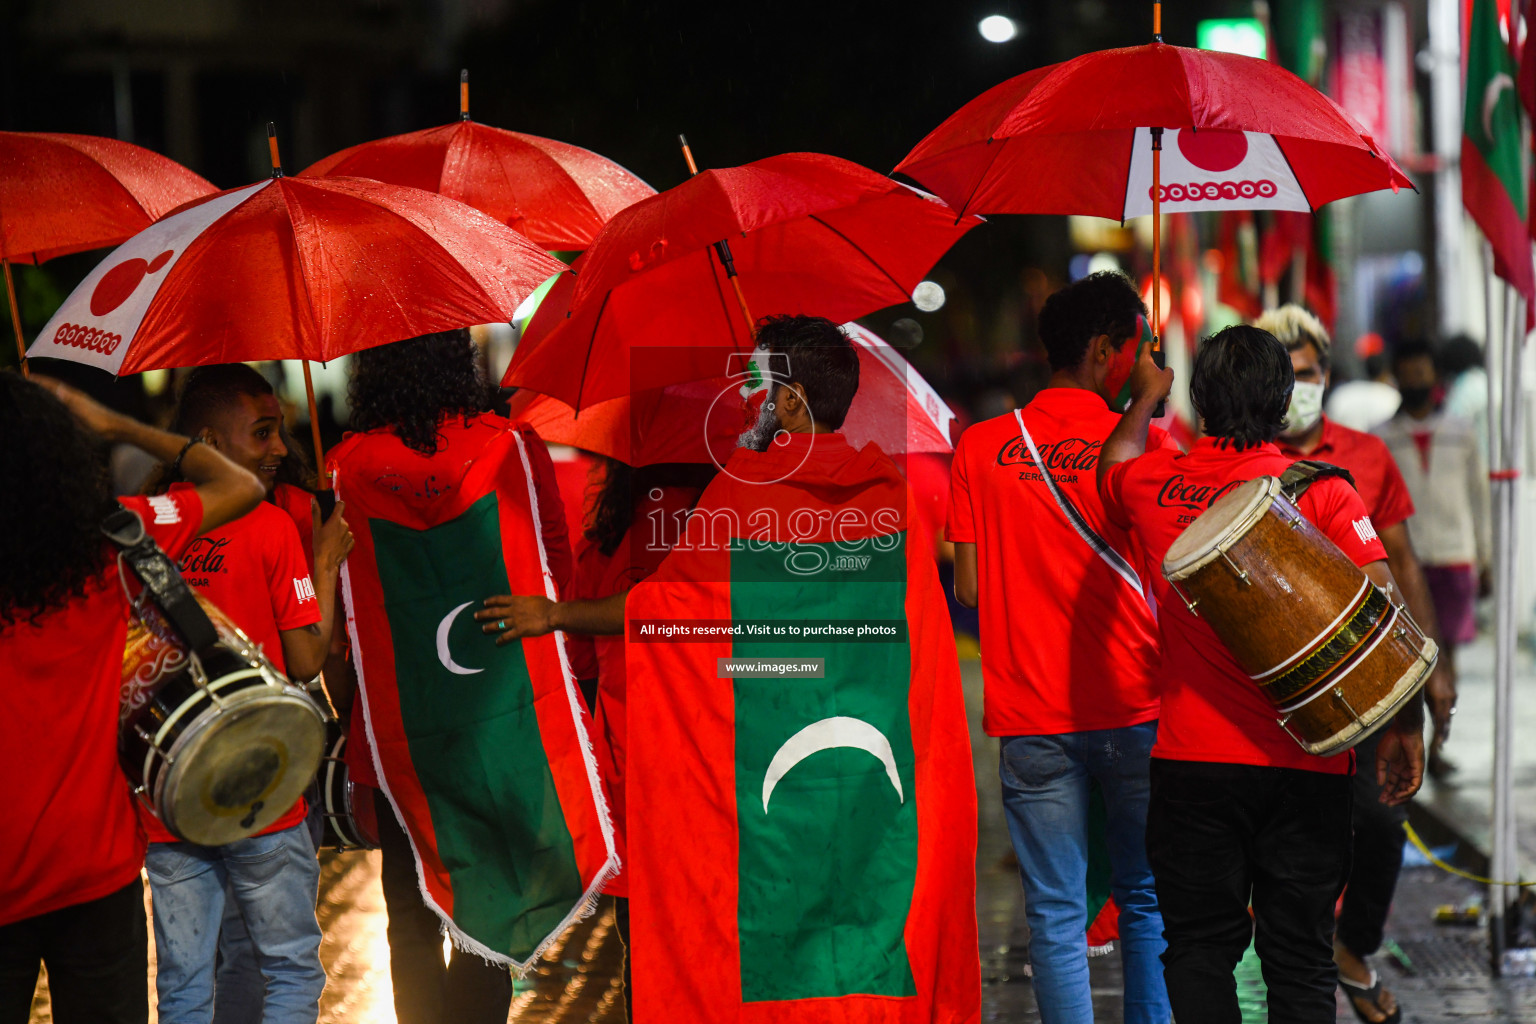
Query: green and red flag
[(1494, 174), (802, 804), (482, 750)]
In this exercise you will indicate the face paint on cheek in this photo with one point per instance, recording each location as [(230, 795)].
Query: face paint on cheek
[(1120, 367)]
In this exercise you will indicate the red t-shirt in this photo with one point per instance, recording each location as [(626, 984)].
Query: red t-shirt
[(69, 833), (1367, 458), (1067, 644), (254, 570), (1212, 711)]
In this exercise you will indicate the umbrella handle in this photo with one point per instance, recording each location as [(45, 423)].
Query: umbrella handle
[(722, 248), (1157, 239), (21, 345)]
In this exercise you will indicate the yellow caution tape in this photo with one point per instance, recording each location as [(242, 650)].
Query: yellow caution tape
[(1413, 837)]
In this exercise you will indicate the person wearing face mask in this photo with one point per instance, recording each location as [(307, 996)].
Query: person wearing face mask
[(1442, 463), (1378, 827), (1069, 645)]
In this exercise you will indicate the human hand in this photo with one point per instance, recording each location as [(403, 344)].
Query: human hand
[(1399, 764), (1440, 694), (1150, 383), (94, 416), (333, 538), (511, 617)]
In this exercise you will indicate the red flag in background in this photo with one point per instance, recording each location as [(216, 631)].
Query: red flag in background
[(1495, 182), (1238, 281)]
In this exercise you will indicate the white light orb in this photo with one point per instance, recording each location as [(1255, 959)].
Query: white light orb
[(928, 296), (995, 28)]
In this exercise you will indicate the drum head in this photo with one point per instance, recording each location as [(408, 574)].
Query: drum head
[(1215, 529), (238, 771)]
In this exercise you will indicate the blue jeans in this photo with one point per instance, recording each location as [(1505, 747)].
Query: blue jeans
[(1046, 783), (275, 879)]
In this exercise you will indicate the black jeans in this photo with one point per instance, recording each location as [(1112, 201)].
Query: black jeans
[(1223, 836), (466, 991), (97, 954), (1378, 859)]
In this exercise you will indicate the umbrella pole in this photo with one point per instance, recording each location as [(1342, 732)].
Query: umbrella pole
[(723, 250), (1157, 235), (21, 345), (314, 429)]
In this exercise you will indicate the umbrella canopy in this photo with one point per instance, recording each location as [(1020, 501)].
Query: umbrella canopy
[(650, 304), (61, 194), (699, 421), (1075, 138), (293, 268), (557, 194)]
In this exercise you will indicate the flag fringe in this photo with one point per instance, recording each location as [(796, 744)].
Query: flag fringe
[(587, 904)]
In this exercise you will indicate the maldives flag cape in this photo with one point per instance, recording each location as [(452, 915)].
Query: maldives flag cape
[(802, 848), (482, 750)]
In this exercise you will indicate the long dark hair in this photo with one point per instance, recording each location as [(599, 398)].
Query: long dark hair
[(409, 386), (57, 492), (1241, 385), (623, 485)]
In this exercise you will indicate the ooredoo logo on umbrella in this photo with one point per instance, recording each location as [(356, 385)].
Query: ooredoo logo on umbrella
[(1212, 169)]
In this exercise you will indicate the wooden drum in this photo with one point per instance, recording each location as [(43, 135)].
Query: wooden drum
[(1330, 650)]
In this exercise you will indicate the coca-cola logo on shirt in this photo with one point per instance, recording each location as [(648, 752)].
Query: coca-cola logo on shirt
[(1070, 454), (1177, 493), (204, 558)]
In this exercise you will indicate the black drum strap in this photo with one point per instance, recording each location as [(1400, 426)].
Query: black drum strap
[(1306, 472), (161, 578)]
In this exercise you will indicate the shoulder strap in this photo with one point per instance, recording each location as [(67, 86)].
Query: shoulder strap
[(1100, 546), (162, 580), (1303, 473)]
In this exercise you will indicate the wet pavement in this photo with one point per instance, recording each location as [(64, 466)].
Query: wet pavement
[(1439, 972)]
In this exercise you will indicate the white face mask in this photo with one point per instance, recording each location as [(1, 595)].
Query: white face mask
[(1305, 409)]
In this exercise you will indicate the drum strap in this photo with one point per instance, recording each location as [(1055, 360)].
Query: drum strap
[(161, 578), (1100, 546), (1306, 472)]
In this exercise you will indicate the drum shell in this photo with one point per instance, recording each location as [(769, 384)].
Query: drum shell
[(1305, 622), (171, 728), (351, 822)]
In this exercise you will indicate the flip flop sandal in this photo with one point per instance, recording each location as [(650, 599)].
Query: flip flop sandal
[(1370, 993)]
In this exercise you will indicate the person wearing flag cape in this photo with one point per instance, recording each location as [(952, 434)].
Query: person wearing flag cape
[(493, 825), (802, 811)]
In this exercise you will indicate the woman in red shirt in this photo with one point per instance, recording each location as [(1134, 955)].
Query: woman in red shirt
[(70, 843)]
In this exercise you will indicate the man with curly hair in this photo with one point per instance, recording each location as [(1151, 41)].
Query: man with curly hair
[(1240, 815), (70, 843)]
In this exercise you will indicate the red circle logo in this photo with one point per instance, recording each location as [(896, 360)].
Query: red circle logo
[(1214, 149), (120, 282)]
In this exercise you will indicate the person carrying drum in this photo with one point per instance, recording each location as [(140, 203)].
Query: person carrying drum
[(1240, 815), (1069, 646), (1379, 836), (254, 570), (70, 844)]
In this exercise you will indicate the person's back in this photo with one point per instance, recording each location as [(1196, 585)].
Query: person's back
[(1068, 644)]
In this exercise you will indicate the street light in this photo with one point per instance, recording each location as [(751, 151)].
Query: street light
[(995, 28)]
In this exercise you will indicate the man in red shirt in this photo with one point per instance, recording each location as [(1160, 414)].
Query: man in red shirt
[(255, 571), (1068, 645), (1240, 815), (1378, 850), (70, 844)]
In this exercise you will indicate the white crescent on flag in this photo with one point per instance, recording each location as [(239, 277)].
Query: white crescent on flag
[(1496, 84), (97, 322)]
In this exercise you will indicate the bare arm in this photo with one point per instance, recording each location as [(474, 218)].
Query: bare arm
[(1150, 385), (305, 649), (1399, 746), (226, 490), (1440, 691), (967, 589), (527, 615)]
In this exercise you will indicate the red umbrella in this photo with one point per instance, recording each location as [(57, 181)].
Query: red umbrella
[(293, 268), (1148, 129), (700, 421), (557, 194), (651, 303), (61, 194)]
